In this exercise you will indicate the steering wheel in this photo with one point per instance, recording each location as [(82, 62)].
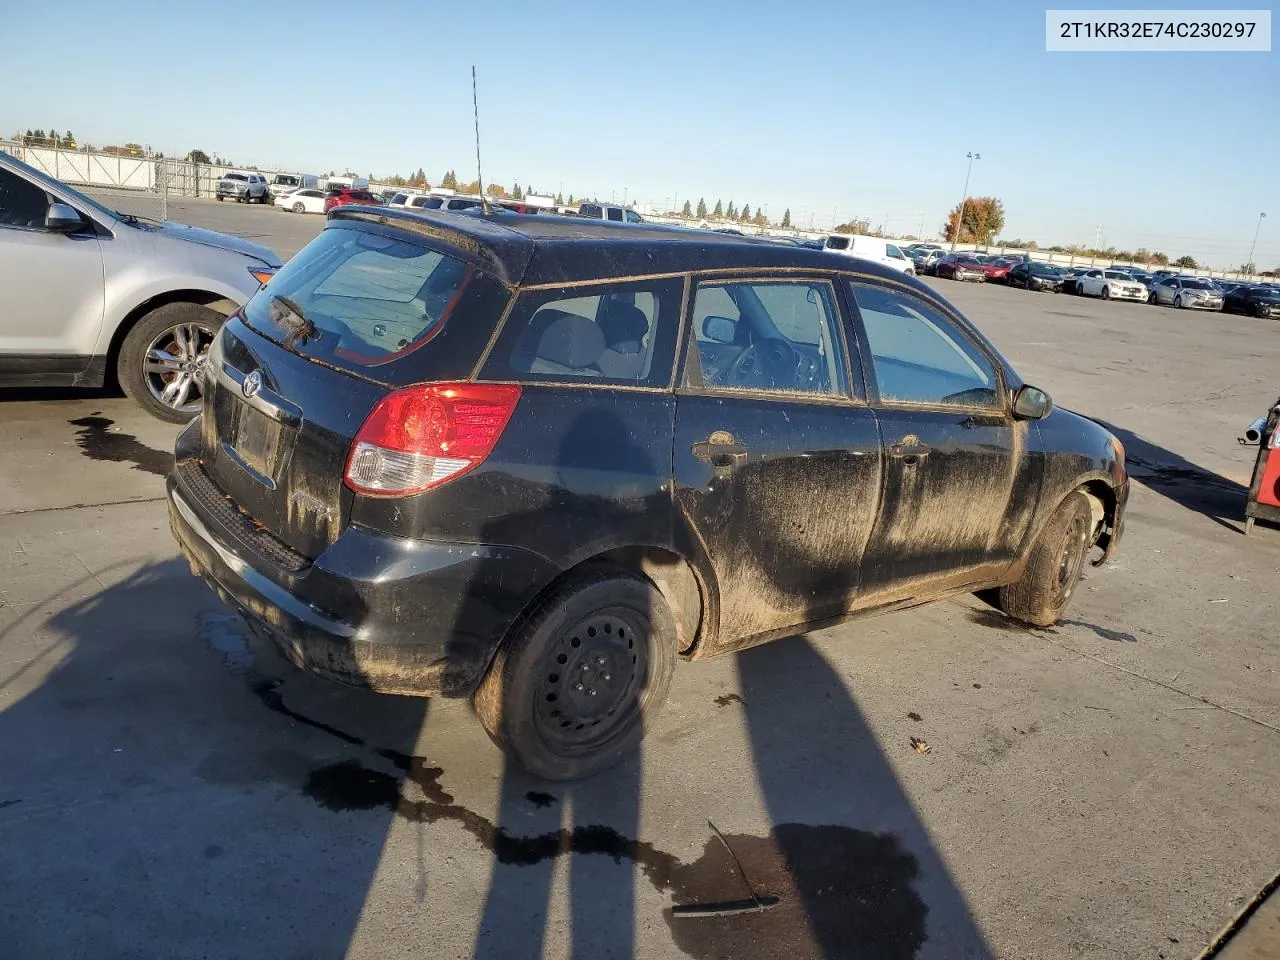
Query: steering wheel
[(768, 362)]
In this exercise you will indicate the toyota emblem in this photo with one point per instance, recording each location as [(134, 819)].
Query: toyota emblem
[(252, 384)]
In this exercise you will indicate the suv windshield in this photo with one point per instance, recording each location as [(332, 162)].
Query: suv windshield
[(358, 299)]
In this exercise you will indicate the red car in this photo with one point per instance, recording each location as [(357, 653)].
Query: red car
[(349, 195), (998, 270), (959, 267)]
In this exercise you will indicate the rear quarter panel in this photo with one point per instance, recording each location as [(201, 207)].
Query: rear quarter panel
[(578, 471)]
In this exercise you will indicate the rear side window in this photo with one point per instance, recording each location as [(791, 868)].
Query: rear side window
[(616, 333), (615, 214), (361, 299), (837, 243)]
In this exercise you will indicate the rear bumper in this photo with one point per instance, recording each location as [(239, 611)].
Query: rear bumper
[(421, 618)]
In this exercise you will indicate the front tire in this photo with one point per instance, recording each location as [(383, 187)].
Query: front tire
[(218, 198), (1106, 293), (1040, 596), (298, 208), (574, 686), (1177, 301), (161, 362)]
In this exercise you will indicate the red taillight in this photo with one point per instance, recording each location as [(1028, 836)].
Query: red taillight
[(420, 437)]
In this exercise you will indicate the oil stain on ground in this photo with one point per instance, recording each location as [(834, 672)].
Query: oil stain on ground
[(725, 699), (840, 891), (98, 442)]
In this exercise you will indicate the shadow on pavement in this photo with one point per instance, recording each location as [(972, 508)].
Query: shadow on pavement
[(1173, 476), (150, 807)]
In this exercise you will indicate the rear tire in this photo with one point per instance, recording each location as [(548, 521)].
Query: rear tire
[(299, 208), (218, 198), (596, 654), (1040, 596), (153, 363)]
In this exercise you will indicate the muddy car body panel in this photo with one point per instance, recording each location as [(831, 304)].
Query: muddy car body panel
[(729, 419)]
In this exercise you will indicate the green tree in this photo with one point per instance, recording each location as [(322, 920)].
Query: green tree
[(571, 200), (516, 192), (983, 219), (702, 209), (746, 212), (1160, 258), (449, 180), (39, 136), (731, 211), (69, 140), (1188, 263), (198, 156), (687, 211), (718, 212), (786, 218), (760, 220), (559, 200)]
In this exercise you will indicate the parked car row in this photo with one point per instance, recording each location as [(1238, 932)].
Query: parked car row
[(1162, 287)]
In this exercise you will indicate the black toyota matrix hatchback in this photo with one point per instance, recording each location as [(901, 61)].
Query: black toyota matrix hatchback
[(536, 461)]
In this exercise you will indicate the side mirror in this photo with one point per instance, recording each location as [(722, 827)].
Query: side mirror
[(62, 219), (1031, 403), (719, 329)]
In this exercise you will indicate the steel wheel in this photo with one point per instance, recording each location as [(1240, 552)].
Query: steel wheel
[(592, 681), (1075, 548), (174, 365)]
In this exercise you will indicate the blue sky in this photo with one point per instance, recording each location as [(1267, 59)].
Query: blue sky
[(830, 109)]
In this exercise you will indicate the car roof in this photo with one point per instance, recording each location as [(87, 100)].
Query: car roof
[(530, 250)]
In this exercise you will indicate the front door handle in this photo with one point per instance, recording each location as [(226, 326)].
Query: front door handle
[(720, 449), (910, 450)]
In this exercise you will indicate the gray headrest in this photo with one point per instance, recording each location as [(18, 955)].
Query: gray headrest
[(571, 341)]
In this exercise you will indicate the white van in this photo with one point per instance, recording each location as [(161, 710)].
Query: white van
[(876, 249)]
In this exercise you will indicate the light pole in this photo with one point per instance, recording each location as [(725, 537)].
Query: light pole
[(964, 199), (1256, 229)]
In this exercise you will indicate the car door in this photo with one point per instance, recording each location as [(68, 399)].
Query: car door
[(777, 455), (961, 475), (1167, 290), (55, 293), (1090, 283)]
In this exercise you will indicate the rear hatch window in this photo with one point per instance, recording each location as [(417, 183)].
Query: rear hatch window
[(367, 301)]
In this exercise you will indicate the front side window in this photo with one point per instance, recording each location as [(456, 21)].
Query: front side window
[(894, 251), (770, 336), (610, 334), (22, 203), (921, 357), (633, 217)]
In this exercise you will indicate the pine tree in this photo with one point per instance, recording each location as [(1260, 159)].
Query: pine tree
[(746, 212), (786, 218), (718, 212), (731, 211), (702, 209), (687, 211), (516, 193), (559, 200), (571, 200)]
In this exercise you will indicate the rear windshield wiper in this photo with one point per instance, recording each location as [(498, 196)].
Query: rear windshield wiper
[(290, 318)]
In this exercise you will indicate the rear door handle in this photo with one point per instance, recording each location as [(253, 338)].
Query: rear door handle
[(720, 449)]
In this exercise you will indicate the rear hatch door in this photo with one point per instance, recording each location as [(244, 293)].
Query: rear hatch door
[(359, 312)]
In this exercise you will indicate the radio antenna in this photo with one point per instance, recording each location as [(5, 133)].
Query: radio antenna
[(475, 106)]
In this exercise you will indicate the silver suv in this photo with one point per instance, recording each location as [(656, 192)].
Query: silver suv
[(89, 292), (244, 187)]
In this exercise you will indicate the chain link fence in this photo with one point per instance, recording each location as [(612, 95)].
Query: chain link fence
[(129, 184)]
